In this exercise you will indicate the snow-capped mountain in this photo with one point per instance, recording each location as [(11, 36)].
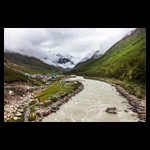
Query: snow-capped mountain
[(95, 55), (66, 61), (59, 60), (63, 61), (88, 58)]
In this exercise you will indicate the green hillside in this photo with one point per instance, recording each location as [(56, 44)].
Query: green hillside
[(83, 63), (11, 75), (31, 64), (124, 60), (124, 64), (16, 65)]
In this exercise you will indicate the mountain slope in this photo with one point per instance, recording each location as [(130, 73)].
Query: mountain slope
[(11, 75), (30, 64), (59, 60), (94, 56), (124, 60)]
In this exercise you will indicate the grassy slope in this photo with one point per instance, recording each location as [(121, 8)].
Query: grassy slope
[(11, 75), (125, 60), (31, 64), (83, 63), (58, 87), (124, 63)]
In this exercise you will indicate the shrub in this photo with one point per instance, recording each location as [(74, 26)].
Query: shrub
[(62, 96), (140, 96), (31, 118), (54, 99), (46, 104)]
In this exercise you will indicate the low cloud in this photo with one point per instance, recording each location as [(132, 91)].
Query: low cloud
[(74, 41)]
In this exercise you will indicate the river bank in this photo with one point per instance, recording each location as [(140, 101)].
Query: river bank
[(43, 112), (138, 105), (17, 97), (25, 102)]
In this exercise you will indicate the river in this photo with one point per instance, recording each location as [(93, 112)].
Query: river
[(90, 105)]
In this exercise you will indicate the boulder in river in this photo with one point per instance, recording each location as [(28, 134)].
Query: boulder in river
[(112, 110)]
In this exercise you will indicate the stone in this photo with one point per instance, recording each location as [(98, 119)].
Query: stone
[(28, 88), (141, 121), (40, 119), (11, 92), (15, 118), (11, 117), (32, 114), (112, 110), (18, 114), (141, 112), (5, 117), (20, 110), (17, 105)]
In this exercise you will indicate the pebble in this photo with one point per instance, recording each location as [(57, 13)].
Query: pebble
[(20, 110), (15, 118), (18, 114)]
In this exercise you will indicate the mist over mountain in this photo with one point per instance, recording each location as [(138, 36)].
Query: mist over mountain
[(59, 60), (69, 45)]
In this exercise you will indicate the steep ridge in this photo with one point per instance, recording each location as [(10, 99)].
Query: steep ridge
[(125, 60), (96, 55), (30, 64)]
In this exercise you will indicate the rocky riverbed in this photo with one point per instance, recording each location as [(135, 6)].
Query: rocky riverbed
[(17, 96), (138, 105)]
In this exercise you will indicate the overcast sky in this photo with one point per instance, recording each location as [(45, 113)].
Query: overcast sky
[(77, 42)]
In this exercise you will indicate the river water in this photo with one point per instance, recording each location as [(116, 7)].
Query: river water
[(90, 105)]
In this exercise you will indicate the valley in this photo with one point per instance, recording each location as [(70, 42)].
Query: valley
[(109, 87)]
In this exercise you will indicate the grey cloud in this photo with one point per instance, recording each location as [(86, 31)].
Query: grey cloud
[(76, 41)]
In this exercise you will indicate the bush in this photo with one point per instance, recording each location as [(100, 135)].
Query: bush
[(62, 96), (54, 99), (32, 118), (11, 75), (46, 104), (140, 96)]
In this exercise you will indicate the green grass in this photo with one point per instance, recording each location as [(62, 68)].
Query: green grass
[(59, 89), (11, 75), (126, 60), (32, 102), (30, 64), (48, 93)]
